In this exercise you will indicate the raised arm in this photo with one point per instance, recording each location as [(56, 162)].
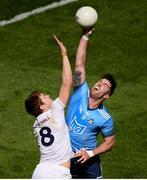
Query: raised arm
[(81, 56), (66, 73)]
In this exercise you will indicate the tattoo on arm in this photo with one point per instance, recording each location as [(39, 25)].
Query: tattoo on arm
[(77, 78)]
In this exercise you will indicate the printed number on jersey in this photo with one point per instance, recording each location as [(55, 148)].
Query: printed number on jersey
[(46, 137)]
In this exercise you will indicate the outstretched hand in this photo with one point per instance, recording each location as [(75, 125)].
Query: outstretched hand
[(88, 31), (61, 46)]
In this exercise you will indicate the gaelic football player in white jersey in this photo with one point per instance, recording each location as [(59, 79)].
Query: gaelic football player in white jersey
[(50, 128)]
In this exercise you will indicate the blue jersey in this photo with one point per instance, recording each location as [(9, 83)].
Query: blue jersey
[(84, 123)]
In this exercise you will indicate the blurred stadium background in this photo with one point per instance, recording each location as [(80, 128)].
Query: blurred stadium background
[(30, 60)]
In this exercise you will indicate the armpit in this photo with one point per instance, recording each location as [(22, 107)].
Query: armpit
[(77, 78)]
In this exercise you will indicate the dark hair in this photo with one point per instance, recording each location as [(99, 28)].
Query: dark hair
[(112, 81), (33, 102)]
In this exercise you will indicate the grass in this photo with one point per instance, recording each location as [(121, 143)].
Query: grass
[(10, 8), (29, 60)]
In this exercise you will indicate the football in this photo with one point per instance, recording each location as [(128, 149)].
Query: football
[(86, 16)]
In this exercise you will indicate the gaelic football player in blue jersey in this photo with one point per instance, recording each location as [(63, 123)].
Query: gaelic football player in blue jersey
[(87, 117)]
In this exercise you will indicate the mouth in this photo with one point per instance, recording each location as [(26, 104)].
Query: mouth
[(96, 88)]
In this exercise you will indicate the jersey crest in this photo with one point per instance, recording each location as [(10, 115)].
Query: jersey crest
[(76, 127)]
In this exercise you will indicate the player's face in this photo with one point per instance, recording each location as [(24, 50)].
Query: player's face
[(100, 89), (46, 100)]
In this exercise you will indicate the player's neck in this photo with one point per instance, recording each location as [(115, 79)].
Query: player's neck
[(94, 103)]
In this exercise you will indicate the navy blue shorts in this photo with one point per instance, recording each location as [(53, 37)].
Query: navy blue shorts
[(91, 169)]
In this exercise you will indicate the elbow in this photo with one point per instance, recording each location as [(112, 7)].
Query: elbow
[(79, 64), (112, 144)]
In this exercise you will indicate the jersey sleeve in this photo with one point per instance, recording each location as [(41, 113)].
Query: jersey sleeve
[(58, 104), (108, 128), (79, 92)]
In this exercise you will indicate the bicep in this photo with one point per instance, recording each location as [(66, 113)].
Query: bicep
[(108, 128), (79, 77)]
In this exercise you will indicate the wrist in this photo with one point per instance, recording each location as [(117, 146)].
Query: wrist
[(85, 37), (64, 54), (90, 153)]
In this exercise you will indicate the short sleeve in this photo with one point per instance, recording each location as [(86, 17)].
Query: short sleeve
[(108, 128), (58, 104), (80, 91)]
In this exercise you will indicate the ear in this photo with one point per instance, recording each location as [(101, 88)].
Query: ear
[(42, 107), (106, 96)]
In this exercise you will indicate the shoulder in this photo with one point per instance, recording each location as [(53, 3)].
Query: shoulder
[(57, 103), (79, 93), (104, 114), (81, 88), (107, 123), (106, 117), (84, 84)]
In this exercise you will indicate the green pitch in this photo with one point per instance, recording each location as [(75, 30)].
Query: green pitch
[(30, 60)]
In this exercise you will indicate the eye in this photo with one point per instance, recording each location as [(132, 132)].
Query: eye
[(106, 86)]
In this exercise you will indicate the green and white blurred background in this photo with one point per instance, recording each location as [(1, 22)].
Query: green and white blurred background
[(30, 60)]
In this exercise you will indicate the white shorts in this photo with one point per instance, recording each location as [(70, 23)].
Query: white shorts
[(45, 170)]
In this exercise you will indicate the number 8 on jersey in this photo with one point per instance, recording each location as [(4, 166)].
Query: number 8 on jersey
[(46, 137)]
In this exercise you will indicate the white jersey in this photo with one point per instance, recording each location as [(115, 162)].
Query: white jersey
[(52, 135)]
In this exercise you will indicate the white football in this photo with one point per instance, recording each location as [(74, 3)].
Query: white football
[(86, 16)]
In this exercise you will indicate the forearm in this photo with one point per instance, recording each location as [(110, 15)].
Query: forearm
[(104, 147), (79, 75), (66, 71), (81, 54), (84, 155), (66, 79)]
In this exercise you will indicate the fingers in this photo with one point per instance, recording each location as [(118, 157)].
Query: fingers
[(88, 31), (61, 46), (82, 160), (57, 40), (91, 31), (83, 156)]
